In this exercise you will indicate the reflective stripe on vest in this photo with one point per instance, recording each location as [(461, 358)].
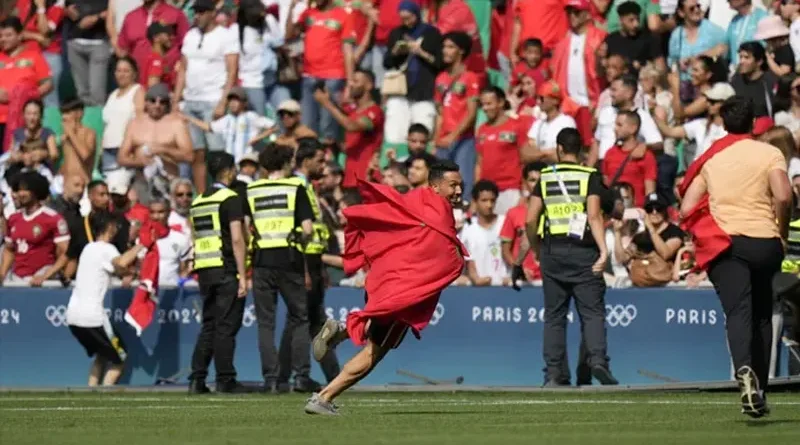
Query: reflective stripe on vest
[(207, 229), (557, 207), (793, 246), (319, 242), (272, 203)]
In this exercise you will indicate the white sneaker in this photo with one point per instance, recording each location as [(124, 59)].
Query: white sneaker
[(330, 336)]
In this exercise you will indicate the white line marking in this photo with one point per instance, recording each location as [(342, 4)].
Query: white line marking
[(110, 408), (357, 401)]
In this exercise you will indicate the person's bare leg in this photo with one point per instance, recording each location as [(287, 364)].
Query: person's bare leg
[(113, 374), (354, 370), (199, 171), (96, 371)]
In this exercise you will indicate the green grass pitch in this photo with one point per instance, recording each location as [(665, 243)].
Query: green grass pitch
[(560, 418)]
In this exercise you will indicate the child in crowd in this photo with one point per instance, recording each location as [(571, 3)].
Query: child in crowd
[(531, 65), (248, 168), (240, 128), (158, 70)]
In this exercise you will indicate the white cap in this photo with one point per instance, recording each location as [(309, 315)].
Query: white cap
[(720, 91)]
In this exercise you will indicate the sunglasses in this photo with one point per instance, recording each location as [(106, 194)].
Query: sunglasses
[(653, 209), (284, 113), (693, 8), (183, 195), (158, 100), (797, 88)]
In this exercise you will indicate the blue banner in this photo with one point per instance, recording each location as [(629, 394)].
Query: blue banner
[(487, 336)]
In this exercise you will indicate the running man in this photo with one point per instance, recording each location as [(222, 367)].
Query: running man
[(416, 230)]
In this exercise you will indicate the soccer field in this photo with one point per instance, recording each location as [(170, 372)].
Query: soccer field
[(561, 418)]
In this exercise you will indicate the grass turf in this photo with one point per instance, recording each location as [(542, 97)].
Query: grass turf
[(393, 418)]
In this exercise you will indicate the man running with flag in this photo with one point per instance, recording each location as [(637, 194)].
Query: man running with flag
[(413, 233)]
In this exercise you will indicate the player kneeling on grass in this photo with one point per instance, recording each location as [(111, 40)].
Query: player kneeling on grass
[(409, 243), (86, 315)]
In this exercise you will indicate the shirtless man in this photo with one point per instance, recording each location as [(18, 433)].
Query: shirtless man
[(78, 142), (156, 140)]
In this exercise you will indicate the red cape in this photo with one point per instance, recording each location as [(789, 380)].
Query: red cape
[(409, 244), (709, 238), (143, 306)]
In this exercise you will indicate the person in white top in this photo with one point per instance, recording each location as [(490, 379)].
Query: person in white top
[(791, 117), (485, 265), (259, 37), (623, 91), (174, 250), (239, 128), (704, 131), (790, 12), (207, 72), (181, 194), (122, 106), (543, 132), (85, 314)]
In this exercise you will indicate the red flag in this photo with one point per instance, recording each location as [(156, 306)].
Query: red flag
[(709, 238), (410, 246), (143, 306)]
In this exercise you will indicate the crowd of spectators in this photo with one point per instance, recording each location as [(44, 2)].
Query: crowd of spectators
[(387, 87)]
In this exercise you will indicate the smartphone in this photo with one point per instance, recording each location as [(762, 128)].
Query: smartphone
[(320, 85), (630, 214)]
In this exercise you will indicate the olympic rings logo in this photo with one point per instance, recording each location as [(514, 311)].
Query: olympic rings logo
[(249, 316), (56, 315), (438, 313), (619, 315)]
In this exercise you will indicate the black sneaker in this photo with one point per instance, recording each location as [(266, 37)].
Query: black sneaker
[(306, 386), (197, 387), (753, 402), (232, 387), (603, 375)]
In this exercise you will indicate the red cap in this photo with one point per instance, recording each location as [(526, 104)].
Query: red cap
[(581, 5), (762, 125), (550, 89)]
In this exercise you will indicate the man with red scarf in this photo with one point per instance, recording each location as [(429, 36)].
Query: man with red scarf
[(736, 204), (415, 231)]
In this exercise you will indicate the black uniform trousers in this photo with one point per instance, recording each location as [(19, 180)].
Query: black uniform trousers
[(222, 319), (742, 277), (567, 273), (267, 282), (316, 318)]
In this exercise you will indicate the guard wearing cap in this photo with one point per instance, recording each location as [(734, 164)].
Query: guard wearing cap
[(219, 256), (566, 205), (282, 221)]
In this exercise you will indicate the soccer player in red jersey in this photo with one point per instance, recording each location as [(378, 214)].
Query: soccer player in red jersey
[(36, 236), (414, 233), (512, 235)]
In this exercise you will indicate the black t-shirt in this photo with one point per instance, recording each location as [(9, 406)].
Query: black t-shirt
[(644, 243), (79, 239), (644, 47), (288, 258), (785, 56), (595, 187), (85, 9), (761, 91)]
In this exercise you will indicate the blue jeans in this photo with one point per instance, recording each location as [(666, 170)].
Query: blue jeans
[(275, 93), (56, 67), (462, 153), (316, 117), (257, 99), (108, 160)]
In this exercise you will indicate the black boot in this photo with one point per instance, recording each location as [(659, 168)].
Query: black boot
[(198, 387), (306, 385), (232, 387), (603, 375)]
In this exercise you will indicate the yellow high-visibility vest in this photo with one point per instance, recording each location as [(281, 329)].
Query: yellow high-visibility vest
[(272, 203), (559, 208), (319, 243), (791, 264), (207, 229)]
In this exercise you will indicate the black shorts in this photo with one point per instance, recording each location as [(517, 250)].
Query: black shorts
[(103, 341), (386, 334)]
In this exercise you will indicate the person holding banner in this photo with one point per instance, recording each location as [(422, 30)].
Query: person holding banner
[(736, 202)]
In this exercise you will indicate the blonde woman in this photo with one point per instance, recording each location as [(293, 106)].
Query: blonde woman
[(656, 94)]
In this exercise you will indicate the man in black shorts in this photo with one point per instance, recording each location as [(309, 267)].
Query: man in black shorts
[(86, 317)]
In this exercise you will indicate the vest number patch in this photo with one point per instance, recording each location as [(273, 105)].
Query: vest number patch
[(273, 202)]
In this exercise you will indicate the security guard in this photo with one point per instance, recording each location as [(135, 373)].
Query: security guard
[(219, 253), (282, 220), (566, 203), (310, 164)]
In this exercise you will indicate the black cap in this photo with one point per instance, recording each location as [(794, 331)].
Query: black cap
[(655, 202), (157, 28), (204, 5)]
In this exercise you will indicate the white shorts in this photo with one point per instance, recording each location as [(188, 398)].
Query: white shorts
[(401, 114)]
